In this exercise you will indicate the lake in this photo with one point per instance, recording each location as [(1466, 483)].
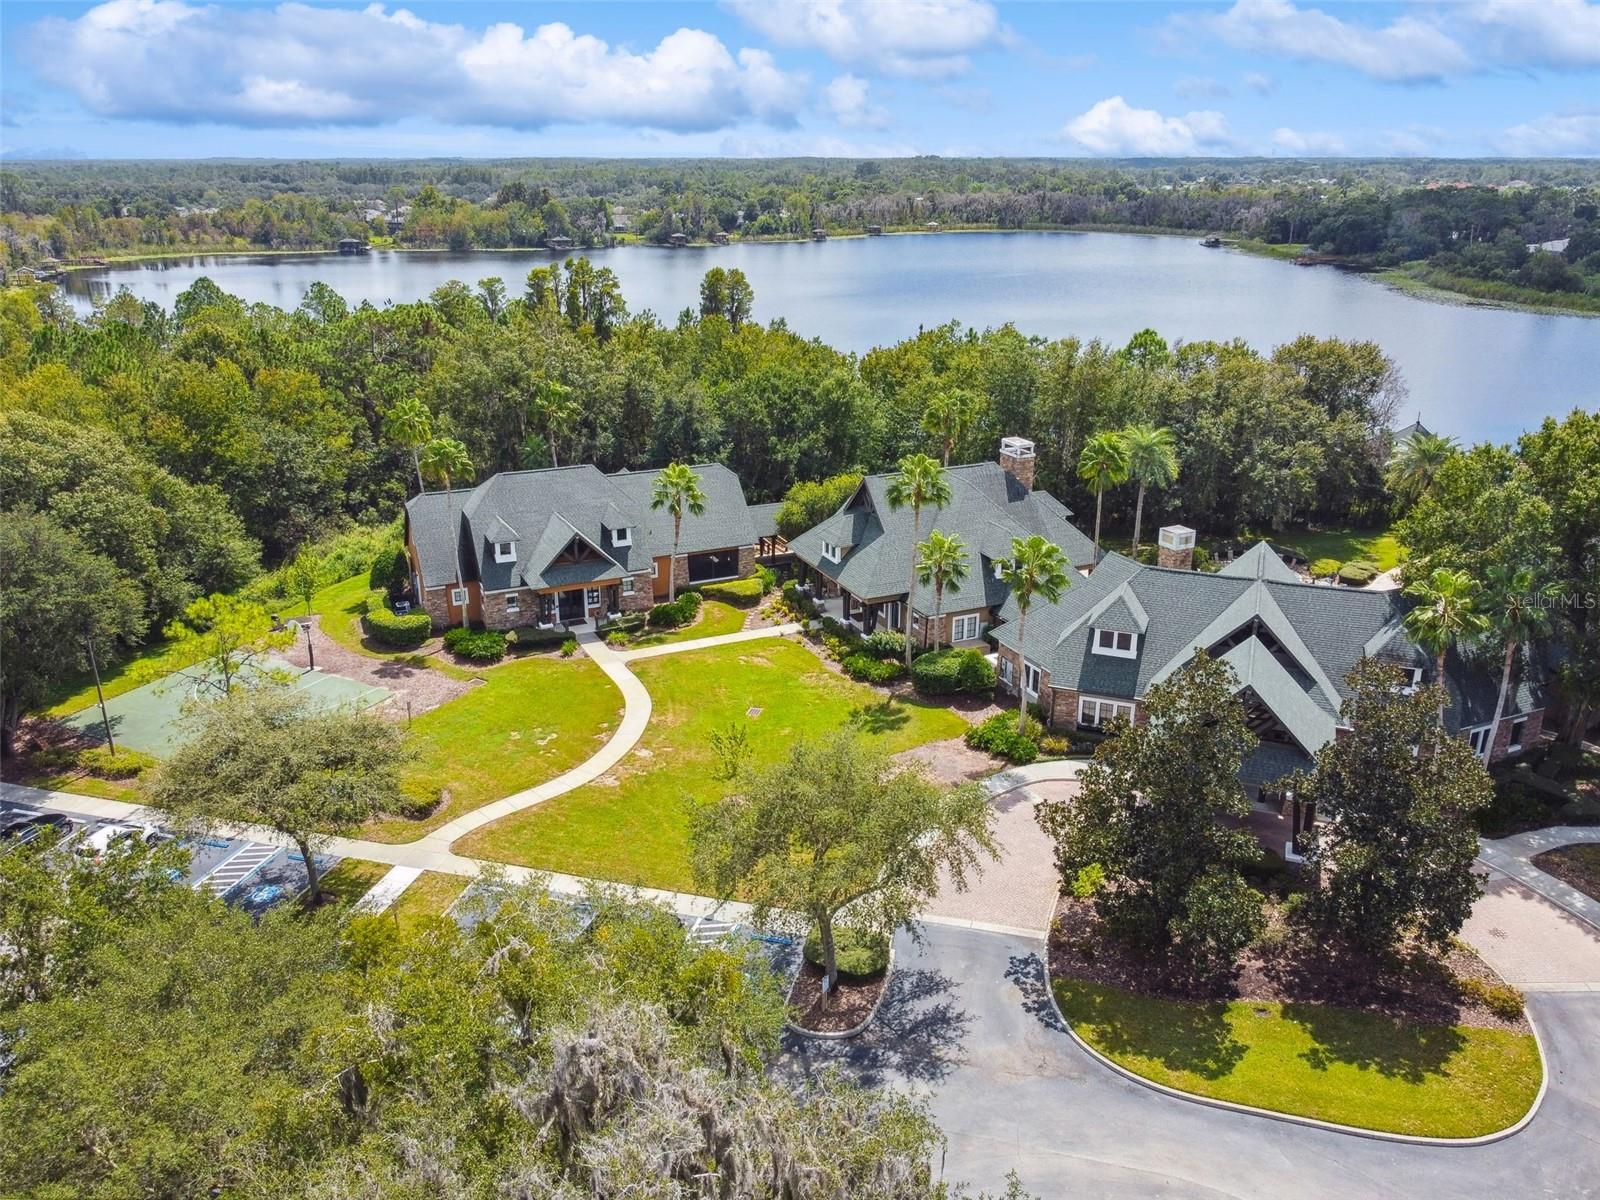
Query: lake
[(1473, 372)]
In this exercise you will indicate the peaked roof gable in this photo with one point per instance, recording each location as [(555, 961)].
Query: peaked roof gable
[(1261, 561)]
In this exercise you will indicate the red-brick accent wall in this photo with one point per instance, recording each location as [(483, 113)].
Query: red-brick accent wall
[(1530, 734), (643, 593)]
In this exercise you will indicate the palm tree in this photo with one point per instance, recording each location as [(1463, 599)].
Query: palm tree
[(553, 408), (920, 482), (948, 416), (409, 424), (445, 459), (1444, 615), (942, 565), (1415, 463), (1517, 614), (677, 489), (1153, 461), (1103, 464), (1036, 568)]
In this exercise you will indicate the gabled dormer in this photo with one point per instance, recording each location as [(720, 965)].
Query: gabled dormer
[(503, 541), (1117, 627)]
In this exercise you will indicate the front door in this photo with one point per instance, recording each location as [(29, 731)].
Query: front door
[(571, 607)]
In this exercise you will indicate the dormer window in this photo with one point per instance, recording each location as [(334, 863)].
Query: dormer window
[(832, 551), (505, 552), (1000, 569), (1411, 679), (622, 537), (1115, 643)]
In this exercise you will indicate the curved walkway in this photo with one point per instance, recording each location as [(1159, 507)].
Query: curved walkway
[(1513, 856)]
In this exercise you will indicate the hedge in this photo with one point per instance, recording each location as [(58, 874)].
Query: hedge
[(531, 637), (389, 571), (886, 643), (872, 670), (998, 735), (741, 593), (391, 628), (855, 953), (676, 613), (1358, 573), (946, 672), (478, 645)]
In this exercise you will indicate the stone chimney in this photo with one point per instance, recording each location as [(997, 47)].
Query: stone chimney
[(1175, 548), (1016, 456)]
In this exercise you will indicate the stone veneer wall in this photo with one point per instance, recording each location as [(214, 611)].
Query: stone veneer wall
[(1502, 737), (747, 566), (1176, 560)]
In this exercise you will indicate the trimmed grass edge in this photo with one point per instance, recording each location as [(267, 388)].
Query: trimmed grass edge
[(1271, 1114)]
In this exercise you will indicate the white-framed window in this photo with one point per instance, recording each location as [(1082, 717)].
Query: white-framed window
[(458, 596), (1478, 739), (622, 537), (1519, 730), (592, 597), (1093, 712), (627, 586), (999, 568), (1411, 679), (832, 551), (655, 569), (965, 628), (1030, 678), (513, 603), (1115, 643), (1008, 671), (505, 552)]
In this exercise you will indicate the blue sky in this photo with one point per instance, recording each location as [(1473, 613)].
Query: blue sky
[(179, 78)]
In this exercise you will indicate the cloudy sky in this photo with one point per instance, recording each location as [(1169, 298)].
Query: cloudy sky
[(176, 78)]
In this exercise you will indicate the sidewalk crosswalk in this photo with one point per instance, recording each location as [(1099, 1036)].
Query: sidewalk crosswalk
[(231, 872)]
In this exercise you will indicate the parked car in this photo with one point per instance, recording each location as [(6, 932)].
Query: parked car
[(101, 840), (31, 827)]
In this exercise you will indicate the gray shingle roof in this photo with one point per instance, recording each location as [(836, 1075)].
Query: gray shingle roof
[(544, 510), (1260, 562), (987, 509), (1320, 633)]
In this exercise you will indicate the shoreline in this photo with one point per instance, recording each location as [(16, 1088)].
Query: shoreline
[(1397, 279)]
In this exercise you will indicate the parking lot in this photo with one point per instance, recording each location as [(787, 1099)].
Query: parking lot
[(248, 875)]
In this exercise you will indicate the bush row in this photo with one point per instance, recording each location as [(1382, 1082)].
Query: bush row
[(1358, 573), (676, 613), (391, 628), (999, 736), (741, 593), (867, 669), (947, 672), (94, 760)]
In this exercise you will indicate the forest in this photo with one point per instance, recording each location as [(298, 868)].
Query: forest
[(1462, 226)]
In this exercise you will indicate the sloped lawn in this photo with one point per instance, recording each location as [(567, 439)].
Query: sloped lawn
[(1315, 1060), (527, 722), (632, 826), (715, 619)]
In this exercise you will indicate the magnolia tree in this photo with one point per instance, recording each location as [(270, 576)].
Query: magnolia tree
[(836, 833)]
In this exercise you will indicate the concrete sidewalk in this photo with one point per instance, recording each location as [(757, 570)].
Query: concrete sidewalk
[(726, 639), (1513, 856)]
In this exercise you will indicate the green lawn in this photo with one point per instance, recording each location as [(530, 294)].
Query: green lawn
[(1376, 546), (631, 827), (715, 619), (528, 721), (1315, 1060), (352, 878), (428, 896)]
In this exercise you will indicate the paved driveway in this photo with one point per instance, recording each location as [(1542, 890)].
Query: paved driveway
[(967, 1023), (1531, 942), (1016, 892)]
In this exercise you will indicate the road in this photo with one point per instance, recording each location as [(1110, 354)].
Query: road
[(969, 1025)]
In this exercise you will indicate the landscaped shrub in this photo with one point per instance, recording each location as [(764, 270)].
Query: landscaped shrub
[(1204, 560), (377, 599), (389, 571), (617, 639), (1325, 568), (478, 645), (872, 670), (801, 605), (569, 647), (856, 954), (768, 579), (886, 643), (677, 613), (1501, 999), (525, 638), (124, 764), (391, 628), (998, 736), (1358, 573), (1515, 807), (741, 593), (946, 672)]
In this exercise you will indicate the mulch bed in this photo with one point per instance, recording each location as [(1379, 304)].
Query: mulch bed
[(1578, 866), (848, 1006), (1288, 969)]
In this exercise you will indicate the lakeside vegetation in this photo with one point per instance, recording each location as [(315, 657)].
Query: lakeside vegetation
[(1460, 226)]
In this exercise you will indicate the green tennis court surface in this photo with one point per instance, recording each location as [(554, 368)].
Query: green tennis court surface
[(150, 718)]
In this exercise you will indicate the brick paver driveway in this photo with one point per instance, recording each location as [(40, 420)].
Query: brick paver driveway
[(1019, 891), (1532, 943)]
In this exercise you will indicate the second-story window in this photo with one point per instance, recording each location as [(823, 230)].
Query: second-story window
[(505, 552)]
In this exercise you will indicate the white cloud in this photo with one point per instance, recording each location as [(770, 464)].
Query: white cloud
[(925, 39), (1550, 33), (1259, 83), (1294, 141), (808, 145), (298, 65), (1553, 134), (849, 99), (1200, 87), (1113, 127), (1407, 50)]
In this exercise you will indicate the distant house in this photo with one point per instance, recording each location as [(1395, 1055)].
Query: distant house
[(719, 238), (858, 560), (568, 546), (558, 243), (352, 245), (874, 230), (1094, 655), (819, 234), (678, 239)]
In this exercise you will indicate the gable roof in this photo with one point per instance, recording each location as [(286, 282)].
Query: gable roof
[(987, 509), (1294, 643), (1260, 562), (542, 511)]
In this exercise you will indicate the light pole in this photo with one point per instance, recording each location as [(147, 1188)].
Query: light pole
[(94, 665), (311, 650)]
